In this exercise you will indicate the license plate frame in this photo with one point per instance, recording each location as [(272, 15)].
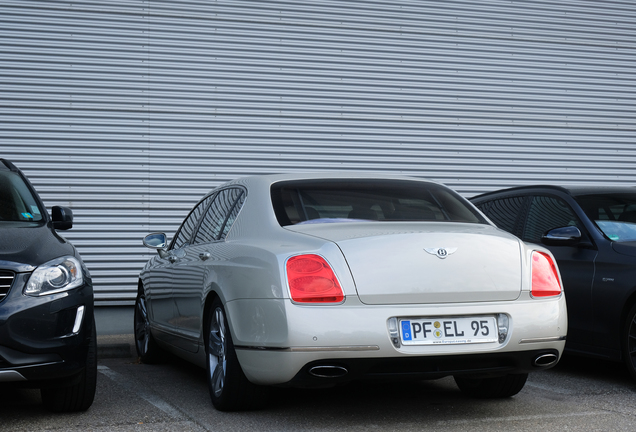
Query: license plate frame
[(456, 330)]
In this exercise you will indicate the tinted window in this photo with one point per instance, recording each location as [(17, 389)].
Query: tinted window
[(378, 200), (17, 204), (216, 223), (504, 212), (233, 214), (545, 213), (189, 224), (614, 214)]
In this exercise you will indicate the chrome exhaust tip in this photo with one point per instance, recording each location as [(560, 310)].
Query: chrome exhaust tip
[(328, 371), (545, 360)]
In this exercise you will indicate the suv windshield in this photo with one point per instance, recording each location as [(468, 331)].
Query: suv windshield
[(614, 214), (17, 204), (341, 200)]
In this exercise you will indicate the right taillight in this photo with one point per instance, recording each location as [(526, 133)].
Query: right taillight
[(545, 277)]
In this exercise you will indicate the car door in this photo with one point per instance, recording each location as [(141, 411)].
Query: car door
[(576, 263), (197, 269), (162, 273)]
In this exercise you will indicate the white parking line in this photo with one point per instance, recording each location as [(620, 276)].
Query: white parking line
[(141, 392)]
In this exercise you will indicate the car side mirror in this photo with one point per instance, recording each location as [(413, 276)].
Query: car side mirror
[(157, 241), (62, 218), (563, 236)]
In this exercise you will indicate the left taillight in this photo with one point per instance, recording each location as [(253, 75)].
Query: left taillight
[(311, 280), (545, 277)]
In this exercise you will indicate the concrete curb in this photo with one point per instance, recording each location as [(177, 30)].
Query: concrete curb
[(116, 346)]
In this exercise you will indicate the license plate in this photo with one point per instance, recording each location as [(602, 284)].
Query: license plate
[(459, 330)]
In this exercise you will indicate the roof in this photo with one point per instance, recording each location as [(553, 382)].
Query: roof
[(570, 190)]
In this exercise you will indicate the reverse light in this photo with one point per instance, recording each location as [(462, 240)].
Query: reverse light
[(545, 277), (393, 331), (503, 324), (311, 280)]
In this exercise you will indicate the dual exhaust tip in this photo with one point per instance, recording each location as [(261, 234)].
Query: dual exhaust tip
[(545, 360), (328, 371)]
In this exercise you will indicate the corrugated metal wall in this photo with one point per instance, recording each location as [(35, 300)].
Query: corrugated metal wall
[(128, 111)]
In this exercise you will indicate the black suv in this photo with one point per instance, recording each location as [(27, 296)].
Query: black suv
[(591, 231), (47, 328)]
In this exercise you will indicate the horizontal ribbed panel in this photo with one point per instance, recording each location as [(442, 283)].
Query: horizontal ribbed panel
[(129, 111)]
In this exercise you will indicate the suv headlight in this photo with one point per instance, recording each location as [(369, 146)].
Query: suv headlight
[(61, 274)]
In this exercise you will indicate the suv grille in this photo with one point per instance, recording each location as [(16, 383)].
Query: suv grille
[(6, 279)]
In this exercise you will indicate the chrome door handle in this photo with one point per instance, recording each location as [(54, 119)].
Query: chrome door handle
[(204, 256)]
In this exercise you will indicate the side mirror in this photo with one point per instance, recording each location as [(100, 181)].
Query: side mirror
[(62, 218), (564, 236), (157, 241)]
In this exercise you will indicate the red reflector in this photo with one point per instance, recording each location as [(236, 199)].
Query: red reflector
[(311, 280), (545, 278)]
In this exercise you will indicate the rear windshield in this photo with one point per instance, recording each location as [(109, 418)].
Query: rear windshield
[(17, 204), (324, 201)]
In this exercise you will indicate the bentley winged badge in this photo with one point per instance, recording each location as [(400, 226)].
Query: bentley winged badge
[(441, 252)]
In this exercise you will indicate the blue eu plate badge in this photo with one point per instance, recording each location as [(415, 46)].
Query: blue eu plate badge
[(406, 330)]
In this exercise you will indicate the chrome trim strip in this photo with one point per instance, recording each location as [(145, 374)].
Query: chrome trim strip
[(11, 376), (349, 348), (539, 340)]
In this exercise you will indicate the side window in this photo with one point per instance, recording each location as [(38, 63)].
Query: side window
[(233, 214), (504, 212), (545, 213), (216, 222), (189, 224)]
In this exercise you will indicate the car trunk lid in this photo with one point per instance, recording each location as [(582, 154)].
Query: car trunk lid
[(426, 262)]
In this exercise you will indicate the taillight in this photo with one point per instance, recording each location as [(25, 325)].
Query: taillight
[(545, 277), (311, 280)]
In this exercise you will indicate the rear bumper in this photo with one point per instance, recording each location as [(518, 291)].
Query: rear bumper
[(291, 339)]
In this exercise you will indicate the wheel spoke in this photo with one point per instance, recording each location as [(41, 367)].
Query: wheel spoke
[(218, 378), (217, 346), (142, 308), (217, 336)]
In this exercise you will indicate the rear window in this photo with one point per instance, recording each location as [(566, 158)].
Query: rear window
[(324, 201), (17, 204)]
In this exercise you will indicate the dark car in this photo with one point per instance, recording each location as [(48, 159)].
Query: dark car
[(591, 231), (47, 328)]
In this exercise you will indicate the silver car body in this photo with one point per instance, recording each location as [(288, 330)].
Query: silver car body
[(386, 270)]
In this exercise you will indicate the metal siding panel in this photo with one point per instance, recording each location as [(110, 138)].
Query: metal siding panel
[(129, 111), (73, 116)]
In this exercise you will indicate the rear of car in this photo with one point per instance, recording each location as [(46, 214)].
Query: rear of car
[(317, 280), (47, 331)]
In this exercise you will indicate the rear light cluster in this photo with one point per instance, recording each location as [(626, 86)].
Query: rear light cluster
[(311, 280), (545, 277)]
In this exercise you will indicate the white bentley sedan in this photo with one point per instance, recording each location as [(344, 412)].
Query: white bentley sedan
[(317, 280)]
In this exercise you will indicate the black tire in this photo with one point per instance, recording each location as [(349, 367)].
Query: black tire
[(79, 396), (492, 388), (147, 349), (230, 390), (629, 342)]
